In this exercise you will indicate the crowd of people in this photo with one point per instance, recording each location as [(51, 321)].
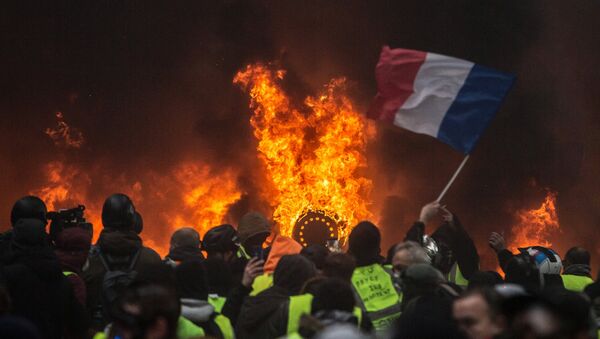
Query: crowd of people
[(249, 282)]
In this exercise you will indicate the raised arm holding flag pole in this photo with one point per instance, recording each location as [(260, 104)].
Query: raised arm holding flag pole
[(450, 99)]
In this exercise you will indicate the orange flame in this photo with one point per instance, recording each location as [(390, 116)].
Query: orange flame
[(311, 158), (205, 197), (63, 135), (192, 193), (66, 187), (535, 226)]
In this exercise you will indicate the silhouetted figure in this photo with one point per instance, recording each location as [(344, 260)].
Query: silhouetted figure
[(119, 252)]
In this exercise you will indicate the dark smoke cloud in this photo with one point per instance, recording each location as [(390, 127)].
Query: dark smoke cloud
[(149, 84)]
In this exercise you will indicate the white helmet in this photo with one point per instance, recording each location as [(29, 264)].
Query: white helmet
[(546, 260)]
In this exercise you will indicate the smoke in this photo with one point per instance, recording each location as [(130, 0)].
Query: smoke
[(149, 86)]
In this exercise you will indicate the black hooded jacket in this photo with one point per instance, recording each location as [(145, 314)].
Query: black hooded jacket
[(117, 244), (456, 238), (259, 317), (38, 290)]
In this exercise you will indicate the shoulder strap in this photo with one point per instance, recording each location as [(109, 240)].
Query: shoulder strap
[(135, 259), (104, 263), (131, 264)]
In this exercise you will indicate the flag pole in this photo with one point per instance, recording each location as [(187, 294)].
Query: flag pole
[(460, 167)]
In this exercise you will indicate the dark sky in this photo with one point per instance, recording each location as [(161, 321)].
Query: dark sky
[(149, 84)]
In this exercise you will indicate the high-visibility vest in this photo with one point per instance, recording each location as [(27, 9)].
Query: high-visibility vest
[(241, 253), (294, 335), (217, 302), (68, 273), (187, 329), (576, 283), (302, 304), (261, 283), (378, 296), (225, 326), (455, 276)]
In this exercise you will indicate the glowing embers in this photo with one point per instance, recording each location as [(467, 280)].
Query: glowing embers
[(315, 227)]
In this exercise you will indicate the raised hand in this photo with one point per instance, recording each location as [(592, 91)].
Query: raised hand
[(253, 269), (497, 242), (429, 211)]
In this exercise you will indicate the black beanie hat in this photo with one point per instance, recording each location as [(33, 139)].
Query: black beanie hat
[(365, 241)]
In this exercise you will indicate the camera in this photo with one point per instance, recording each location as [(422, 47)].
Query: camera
[(66, 218)]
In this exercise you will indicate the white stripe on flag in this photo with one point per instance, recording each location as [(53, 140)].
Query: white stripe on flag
[(437, 84)]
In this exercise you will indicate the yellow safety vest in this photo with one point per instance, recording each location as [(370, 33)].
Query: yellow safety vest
[(576, 283), (187, 329), (302, 304), (225, 326), (217, 302), (294, 335), (455, 276), (261, 283), (379, 298), (68, 273)]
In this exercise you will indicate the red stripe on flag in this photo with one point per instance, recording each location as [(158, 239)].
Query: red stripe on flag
[(395, 74)]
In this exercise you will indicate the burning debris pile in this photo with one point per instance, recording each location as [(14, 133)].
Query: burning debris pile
[(313, 159)]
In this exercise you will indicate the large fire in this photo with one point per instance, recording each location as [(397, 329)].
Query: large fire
[(312, 156), (535, 226), (190, 194)]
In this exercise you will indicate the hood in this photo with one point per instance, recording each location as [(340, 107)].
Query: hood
[(364, 243), (281, 246), (578, 269), (29, 247), (292, 272), (258, 309), (251, 224), (119, 242), (72, 246), (198, 311), (182, 253), (74, 239)]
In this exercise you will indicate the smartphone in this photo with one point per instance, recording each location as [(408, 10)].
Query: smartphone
[(259, 253)]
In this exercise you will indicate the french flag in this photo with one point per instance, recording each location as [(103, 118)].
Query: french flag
[(447, 98)]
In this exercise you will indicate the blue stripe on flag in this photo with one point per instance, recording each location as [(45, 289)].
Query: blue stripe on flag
[(474, 107)]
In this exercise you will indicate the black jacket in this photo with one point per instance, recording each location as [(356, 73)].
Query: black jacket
[(233, 303), (121, 245), (458, 240), (259, 317), (38, 289)]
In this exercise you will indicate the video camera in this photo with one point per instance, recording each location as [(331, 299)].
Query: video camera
[(66, 218)]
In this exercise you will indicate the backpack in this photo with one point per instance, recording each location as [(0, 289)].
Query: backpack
[(115, 280)]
